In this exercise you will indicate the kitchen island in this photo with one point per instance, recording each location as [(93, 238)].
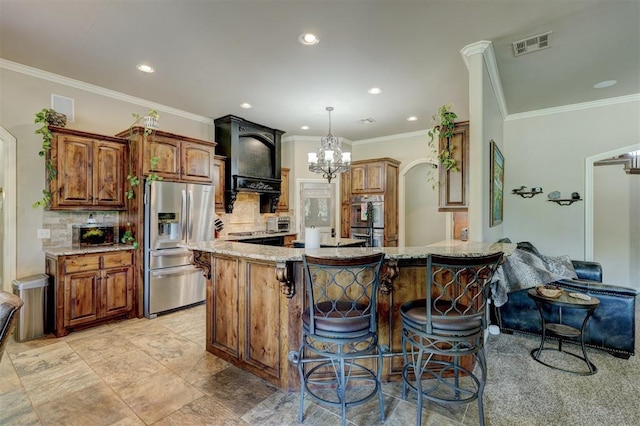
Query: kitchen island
[(255, 298)]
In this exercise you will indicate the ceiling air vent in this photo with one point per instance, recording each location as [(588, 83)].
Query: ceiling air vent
[(532, 44), (366, 121)]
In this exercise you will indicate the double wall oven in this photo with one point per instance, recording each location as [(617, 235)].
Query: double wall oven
[(363, 226)]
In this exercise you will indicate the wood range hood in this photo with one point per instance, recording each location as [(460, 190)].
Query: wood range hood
[(252, 162)]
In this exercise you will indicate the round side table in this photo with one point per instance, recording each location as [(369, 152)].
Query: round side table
[(563, 331)]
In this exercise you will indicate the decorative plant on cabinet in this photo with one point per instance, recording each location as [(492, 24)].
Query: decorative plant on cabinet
[(48, 117)]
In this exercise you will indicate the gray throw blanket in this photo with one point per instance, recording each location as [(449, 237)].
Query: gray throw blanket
[(524, 269)]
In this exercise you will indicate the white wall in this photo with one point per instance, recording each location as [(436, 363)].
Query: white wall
[(423, 223), (24, 95), (611, 219), (549, 150)]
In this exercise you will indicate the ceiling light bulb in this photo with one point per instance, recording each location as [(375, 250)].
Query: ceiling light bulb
[(605, 83), (245, 105), (375, 90), (412, 118), (305, 127), (308, 39), (145, 68)]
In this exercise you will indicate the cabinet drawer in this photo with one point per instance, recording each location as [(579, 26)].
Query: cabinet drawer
[(82, 263), (113, 260)]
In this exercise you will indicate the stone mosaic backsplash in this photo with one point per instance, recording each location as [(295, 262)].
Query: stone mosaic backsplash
[(59, 223)]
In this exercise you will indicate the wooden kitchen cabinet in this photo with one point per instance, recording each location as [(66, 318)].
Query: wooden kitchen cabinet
[(90, 171), (180, 158), (454, 185), (283, 202), (378, 176), (218, 181), (369, 176), (91, 288)]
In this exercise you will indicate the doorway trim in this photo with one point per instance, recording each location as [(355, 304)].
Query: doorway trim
[(588, 195), (402, 200), (9, 207)]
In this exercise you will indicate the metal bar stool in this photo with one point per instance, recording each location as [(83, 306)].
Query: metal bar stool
[(339, 331), (435, 335)]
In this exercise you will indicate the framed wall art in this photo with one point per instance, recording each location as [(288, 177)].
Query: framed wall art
[(497, 185)]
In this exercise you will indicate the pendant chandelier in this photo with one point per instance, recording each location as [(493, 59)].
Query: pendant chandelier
[(329, 160)]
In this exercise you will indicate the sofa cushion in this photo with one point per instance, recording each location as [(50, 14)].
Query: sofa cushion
[(560, 265)]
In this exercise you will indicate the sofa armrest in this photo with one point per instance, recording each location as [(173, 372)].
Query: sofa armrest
[(588, 270), (596, 288)]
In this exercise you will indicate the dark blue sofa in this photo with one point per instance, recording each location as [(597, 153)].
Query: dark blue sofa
[(611, 328)]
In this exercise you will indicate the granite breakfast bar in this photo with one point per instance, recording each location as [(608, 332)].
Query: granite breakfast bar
[(255, 298)]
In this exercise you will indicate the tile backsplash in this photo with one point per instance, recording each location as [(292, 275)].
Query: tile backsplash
[(60, 223)]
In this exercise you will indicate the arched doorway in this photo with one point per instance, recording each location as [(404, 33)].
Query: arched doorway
[(7, 209), (615, 240), (420, 222)]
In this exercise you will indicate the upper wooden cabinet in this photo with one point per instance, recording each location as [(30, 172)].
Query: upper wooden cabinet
[(454, 185), (218, 181), (370, 176), (90, 171), (345, 205), (283, 202), (180, 158)]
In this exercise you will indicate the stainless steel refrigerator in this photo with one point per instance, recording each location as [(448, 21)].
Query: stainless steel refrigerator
[(175, 213)]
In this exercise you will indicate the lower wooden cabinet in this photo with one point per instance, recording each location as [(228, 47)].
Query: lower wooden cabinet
[(91, 288)]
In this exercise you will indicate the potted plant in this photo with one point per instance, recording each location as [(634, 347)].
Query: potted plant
[(150, 125), (444, 121), (48, 117)]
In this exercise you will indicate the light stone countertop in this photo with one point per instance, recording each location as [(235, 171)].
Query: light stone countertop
[(70, 251), (284, 254), (336, 242), (254, 236)]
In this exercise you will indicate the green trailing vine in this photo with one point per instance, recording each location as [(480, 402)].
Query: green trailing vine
[(46, 117), (444, 126), (128, 238)]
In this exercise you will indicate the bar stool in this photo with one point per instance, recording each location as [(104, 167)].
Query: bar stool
[(339, 331), (435, 335)]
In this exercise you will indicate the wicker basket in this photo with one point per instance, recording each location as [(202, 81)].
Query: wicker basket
[(550, 291)]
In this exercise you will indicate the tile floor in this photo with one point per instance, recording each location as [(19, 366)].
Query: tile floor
[(156, 372)]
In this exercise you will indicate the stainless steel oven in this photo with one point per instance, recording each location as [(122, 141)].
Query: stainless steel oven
[(374, 237), (359, 210)]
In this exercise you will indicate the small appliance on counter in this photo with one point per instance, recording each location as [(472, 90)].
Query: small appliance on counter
[(278, 224), (93, 234)]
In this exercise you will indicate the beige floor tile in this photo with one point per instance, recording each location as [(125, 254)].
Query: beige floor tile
[(204, 411), (59, 381), (236, 389), (130, 366), (9, 380), (157, 396), (16, 409), (14, 348), (95, 405), (101, 346), (196, 364), (282, 409), (92, 331), (44, 358), (166, 346)]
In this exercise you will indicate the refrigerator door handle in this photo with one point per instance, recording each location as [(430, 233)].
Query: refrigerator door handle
[(170, 252), (183, 214), (190, 219)]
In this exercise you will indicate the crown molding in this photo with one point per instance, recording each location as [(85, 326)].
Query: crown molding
[(418, 133), (307, 138), (76, 84), (574, 107), (485, 48)]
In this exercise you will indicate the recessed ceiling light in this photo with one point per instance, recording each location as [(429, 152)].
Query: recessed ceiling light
[(145, 68), (305, 127), (412, 118), (606, 83), (245, 105), (375, 90), (308, 39)]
